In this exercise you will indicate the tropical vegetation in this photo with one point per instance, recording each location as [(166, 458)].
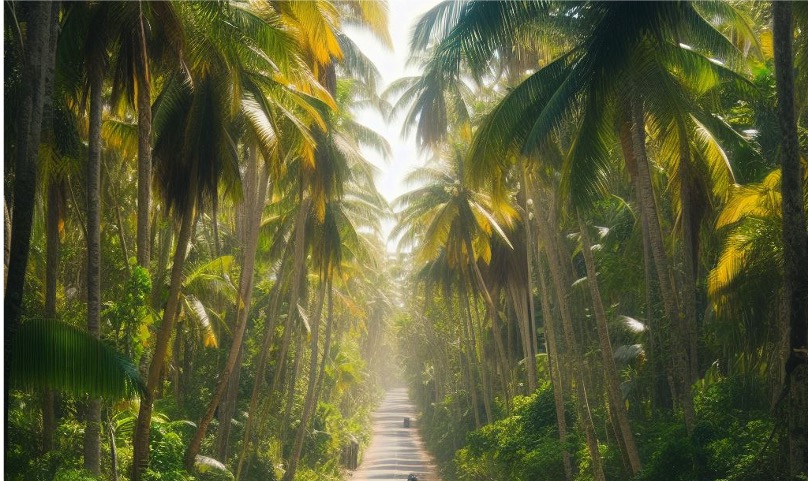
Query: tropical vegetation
[(600, 275)]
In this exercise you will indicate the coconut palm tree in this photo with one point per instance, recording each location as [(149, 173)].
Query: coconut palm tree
[(610, 42), (795, 240), (35, 68), (226, 57)]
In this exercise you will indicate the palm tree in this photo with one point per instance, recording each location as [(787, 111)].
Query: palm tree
[(795, 242), (227, 59), (446, 214), (612, 41), (145, 33), (337, 235), (39, 18)]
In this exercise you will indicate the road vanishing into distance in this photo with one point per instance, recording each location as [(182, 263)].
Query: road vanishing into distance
[(395, 451)]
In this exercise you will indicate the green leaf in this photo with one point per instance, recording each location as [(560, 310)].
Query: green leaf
[(56, 355)]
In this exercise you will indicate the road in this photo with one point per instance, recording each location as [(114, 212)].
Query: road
[(395, 451)]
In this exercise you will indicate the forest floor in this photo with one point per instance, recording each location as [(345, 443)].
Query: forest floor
[(395, 451)]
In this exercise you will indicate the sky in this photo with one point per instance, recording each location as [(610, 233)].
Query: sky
[(392, 65)]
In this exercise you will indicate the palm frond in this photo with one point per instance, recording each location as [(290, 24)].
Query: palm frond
[(59, 356)]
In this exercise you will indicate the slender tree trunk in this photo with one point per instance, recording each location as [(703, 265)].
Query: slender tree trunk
[(560, 282), (666, 285), (227, 409), (256, 203), (144, 151), (140, 443), (113, 452), (291, 388), (310, 401), (113, 191), (795, 242), (660, 370), (92, 432), (689, 256), (26, 162), (53, 217), (298, 265), (555, 370), (526, 190), (490, 306), (329, 328), (467, 355), (482, 362), (6, 239), (612, 378)]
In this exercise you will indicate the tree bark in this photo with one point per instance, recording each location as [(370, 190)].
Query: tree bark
[(666, 285), (26, 162), (310, 401), (140, 443), (555, 369), (53, 217), (795, 242), (660, 370), (256, 203), (298, 265), (612, 378), (92, 432), (689, 256), (144, 151), (560, 282)]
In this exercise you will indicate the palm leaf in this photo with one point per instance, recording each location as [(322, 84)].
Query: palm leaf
[(59, 356)]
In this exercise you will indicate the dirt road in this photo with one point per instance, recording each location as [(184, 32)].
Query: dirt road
[(395, 451)]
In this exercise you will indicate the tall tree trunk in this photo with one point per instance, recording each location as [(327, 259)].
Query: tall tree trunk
[(26, 162), (526, 190), (555, 370), (795, 242), (92, 432), (53, 217), (140, 443), (256, 203), (298, 265), (227, 406), (310, 401), (660, 370), (561, 283), (491, 307), (481, 358), (227, 409), (113, 452), (329, 329), (689, 256), (612, 378), (467, 357), (291, 388), (144, 152), (666, 285)]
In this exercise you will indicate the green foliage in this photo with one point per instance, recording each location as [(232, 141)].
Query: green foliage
[(130, 315), (728, 443), (75, 475), (209, 469), (60, 356), (521, 447), (167, 448)]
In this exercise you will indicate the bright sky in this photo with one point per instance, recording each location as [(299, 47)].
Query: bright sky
[(392, 65)]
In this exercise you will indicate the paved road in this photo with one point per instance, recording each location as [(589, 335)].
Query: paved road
[(395, 451)]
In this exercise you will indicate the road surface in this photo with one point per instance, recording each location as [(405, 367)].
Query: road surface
[(395, 451)]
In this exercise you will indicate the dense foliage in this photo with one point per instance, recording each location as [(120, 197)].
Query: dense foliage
[(205, 246), (600, 244), (601, 276)]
